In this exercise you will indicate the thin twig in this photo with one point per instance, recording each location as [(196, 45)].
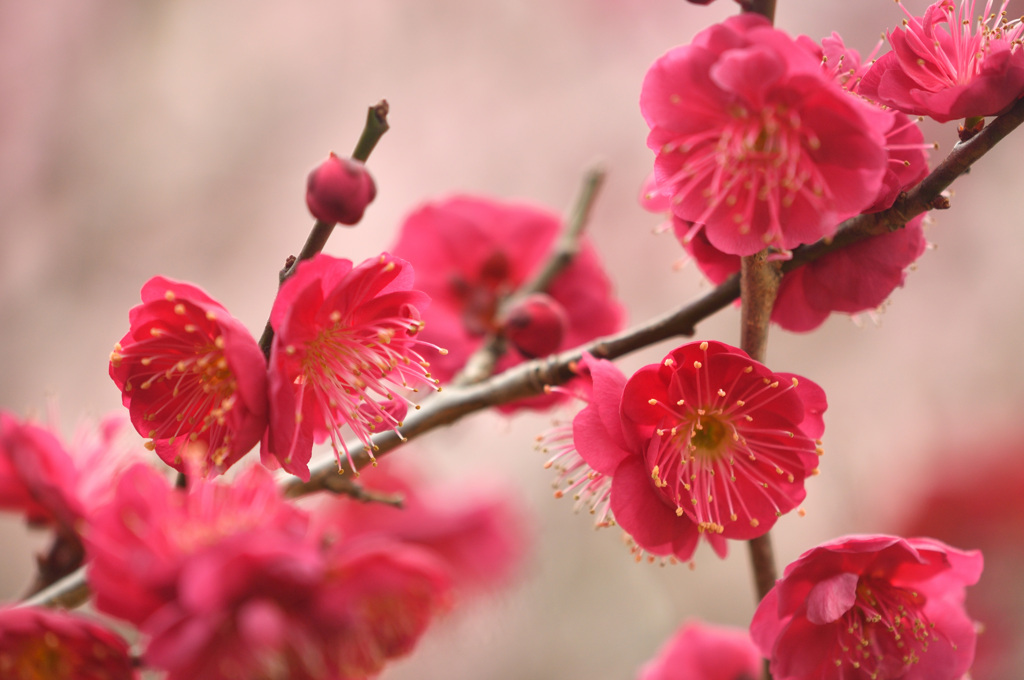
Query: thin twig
[(374, 128)]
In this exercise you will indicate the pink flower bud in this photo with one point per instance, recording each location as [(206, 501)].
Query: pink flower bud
[(338, 190), (536, 325)]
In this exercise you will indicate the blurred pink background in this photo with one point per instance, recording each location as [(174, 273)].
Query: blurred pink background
[(175, 138)]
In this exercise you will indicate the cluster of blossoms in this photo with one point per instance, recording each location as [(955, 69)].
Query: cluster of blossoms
[(762, 142), (294, 606), (196, 383)]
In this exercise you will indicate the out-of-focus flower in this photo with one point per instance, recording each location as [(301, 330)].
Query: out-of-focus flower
[(699, 651), (58, 486), (37, 475), (471, 253), (139, 543), (344, 337), (339, 189), (756, 142), (289, 611), (227, 582), (870, 608), (193, 378), (477, 533), (949, 63), (46, 644), (976, 502), (708, 442)]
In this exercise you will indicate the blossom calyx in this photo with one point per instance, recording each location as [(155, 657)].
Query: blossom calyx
[(339, 189)]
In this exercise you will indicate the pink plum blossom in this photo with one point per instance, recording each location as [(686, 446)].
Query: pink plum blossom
[(471, 253), (950, 63), (48, 644), (706, 443), (870, 608), (345, 336), (699, 651), (756, 142), (192, 377)]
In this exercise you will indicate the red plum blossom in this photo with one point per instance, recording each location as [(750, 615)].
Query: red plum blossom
[(39, 643), (756, 142), (345, 335), (192, 377), (706, 443), (870, 608), (472, 253)]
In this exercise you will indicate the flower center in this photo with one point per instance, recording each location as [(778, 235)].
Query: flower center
[(185, 383), (885, 632)]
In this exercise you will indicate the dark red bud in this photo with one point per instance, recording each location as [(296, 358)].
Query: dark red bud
[(536, 325), (338, 190)]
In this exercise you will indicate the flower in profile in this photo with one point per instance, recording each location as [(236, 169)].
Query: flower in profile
[(707, 442), (193, 378), (338, 190), (471, 253), (756, 142), (699, 651), (950, 63), (870, 608), (344, 337), (36, 642)]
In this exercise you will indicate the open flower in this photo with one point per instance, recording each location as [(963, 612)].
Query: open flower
[(870, 608), (192, 376), (56, 645), (708, 442), (699, 651), (756, 142), (471, 253), (950, 63), (344, 337)]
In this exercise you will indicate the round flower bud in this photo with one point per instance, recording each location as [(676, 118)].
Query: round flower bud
[(536, 325), (338, 190)]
